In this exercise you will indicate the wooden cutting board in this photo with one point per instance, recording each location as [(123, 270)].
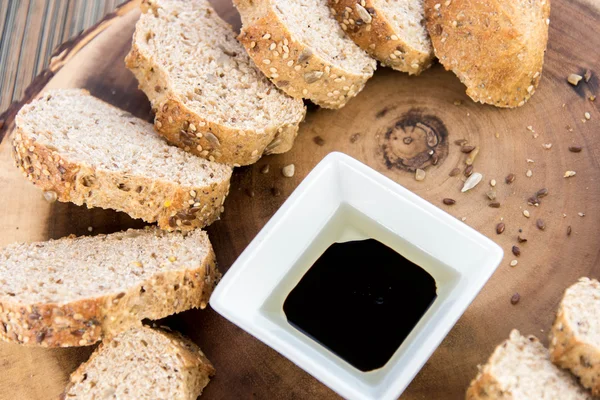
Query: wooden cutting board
[(433, 111)]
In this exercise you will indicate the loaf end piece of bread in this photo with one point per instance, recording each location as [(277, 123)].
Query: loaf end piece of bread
[(208, 96), (142, 364), (75, 291), (520, 369), (301, 48), (80, 149), (495, 47), (575, 335), (391, 31)]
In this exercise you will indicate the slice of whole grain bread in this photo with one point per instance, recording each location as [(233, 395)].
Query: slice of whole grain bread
[(303, 50), (80, 149), (391, 31), (520, 369), (209, 97), (76, 291), (142, 364), (575, 335)]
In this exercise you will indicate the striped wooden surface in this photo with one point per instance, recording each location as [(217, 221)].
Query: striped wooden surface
[(31, 30)]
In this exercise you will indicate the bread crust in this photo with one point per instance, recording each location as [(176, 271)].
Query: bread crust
[(86, 321), (378, 37), (141, 197), (196, 370), (188, 130), (495, 47), (572, 352), (295, 68)]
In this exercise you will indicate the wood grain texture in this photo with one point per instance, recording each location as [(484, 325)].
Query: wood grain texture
[(371, 128), (31, 29)]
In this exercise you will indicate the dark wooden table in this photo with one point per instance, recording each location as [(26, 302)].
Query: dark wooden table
[(31, 30)]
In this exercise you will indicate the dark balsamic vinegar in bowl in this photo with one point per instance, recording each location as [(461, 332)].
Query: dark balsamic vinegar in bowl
[(360, 300)]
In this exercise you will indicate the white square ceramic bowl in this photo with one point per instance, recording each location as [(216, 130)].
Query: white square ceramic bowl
[(340, 200)]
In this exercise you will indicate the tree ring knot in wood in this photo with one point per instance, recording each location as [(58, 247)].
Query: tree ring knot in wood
[(415, 140)]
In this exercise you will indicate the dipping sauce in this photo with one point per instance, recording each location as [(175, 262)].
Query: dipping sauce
[(360, 300)]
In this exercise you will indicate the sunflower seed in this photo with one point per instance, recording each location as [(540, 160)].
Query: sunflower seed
[(472, 181), (521, 239), (472, 156), (510, 178), (575, 149), (419, 174), (514, 263), (467, 149), (542, 193), (494, 204), (449, 202)]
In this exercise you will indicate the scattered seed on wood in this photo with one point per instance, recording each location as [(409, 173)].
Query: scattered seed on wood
[(516, 251), (491, 195), (569, 174), (500, 228), (510, 178), (514, 263), (521, 239), (533, 201), (547, 146), (265, 169), (472, 181), (468, 171), (587, 76), (569, 230), (529, 173), (515, 299), (542, 192), (541, 225), (407, 140), (319, 141), (354, 137), (288, 171), (587, 115), (493, 183), (449, 202), (581, 214), (467, 149), (494, 204), (592, 98), (435, 159), (526, 213), (574, 79), (472, 156), (454, 172), (250, 192), (419, 174), (575, 149), (460, 142), (275, 192)]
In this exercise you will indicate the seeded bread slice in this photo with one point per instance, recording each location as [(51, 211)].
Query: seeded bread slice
[(575, 335), (209, 97), (303, 50), (142, 364), (392, 31), (75, 291), (495, 47), (520, 369), (80, 149)]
